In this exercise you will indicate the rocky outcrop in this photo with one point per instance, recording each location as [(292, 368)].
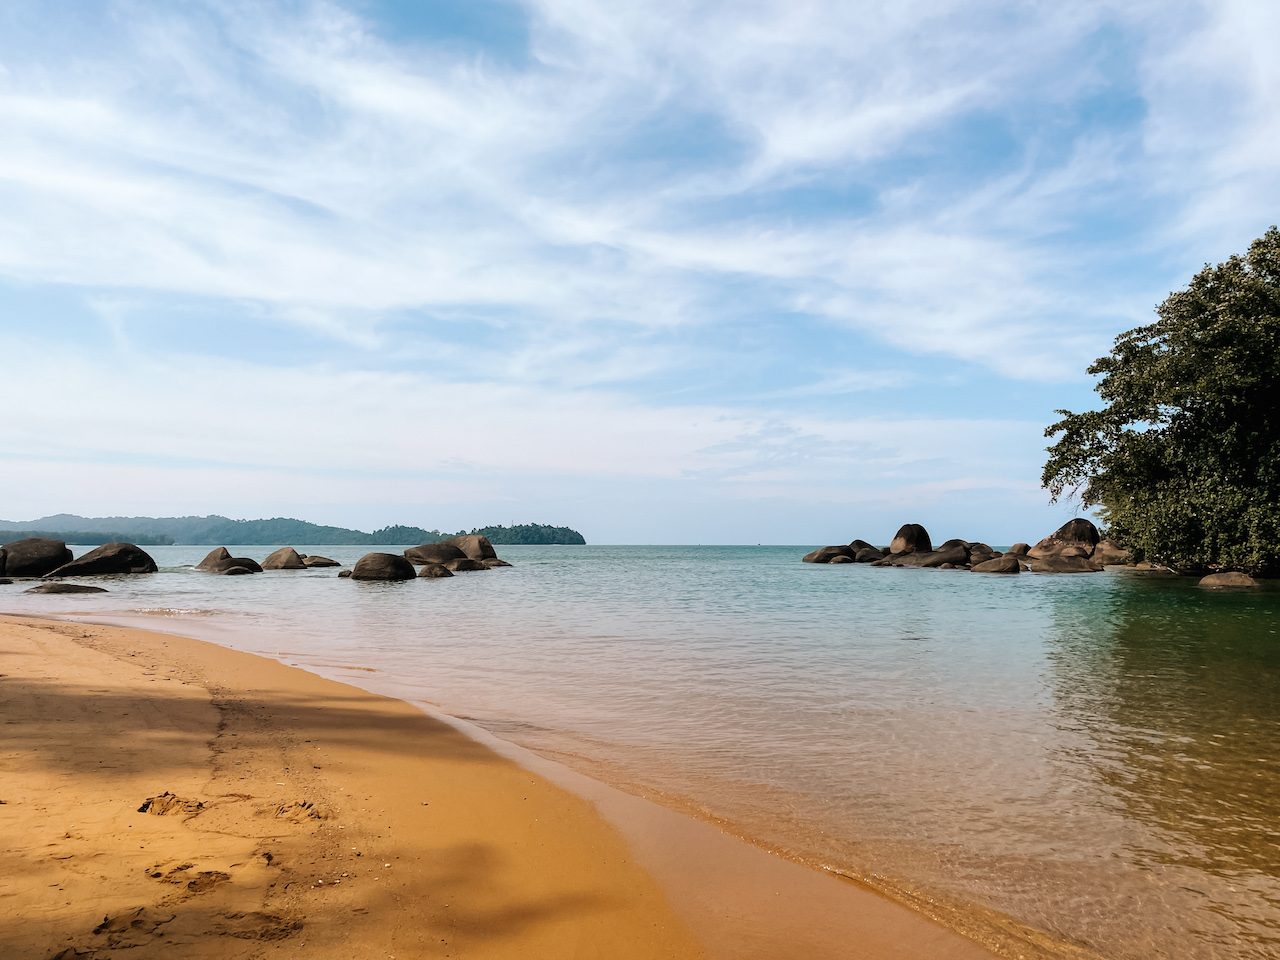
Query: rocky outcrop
[(1061, 564), (65, 588), (434, 571), (221, 562), (108, 559), (1228, 580), (383, 566), (315, 561), (33, 557), (827, 554), (474, 546), (869, 555), (1108, 551), (1075, 538), (1006, 563), (434, 553), (1019, 549), (911, 538), (286, 558)]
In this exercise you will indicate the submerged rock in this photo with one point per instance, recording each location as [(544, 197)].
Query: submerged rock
[(383, 566), (1007, 563), (434, 571), (494, 562), (110, 558), (464, 565), (65, 588), (33, 557), (315, 561), (1232, 578)]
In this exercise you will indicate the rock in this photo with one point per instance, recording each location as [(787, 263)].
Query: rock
[(5, 581), (954, 543), (911, 538), (978, 547), (431, 571), (213, 558), (841, 558), (1108, 551), (464, 564), (868, 555), (474, 546), (110, 558), (344, 573), (957, 554), (383, 566), (317, 561), (1075, 538), (1018, 549), (494, 562), (286, 558), (1004, 564), (1059, 564), (33, 557), (65, 588), (858, 545), (233, 569), (825, 554), (947, 566), (434, 553), (1216, 581)]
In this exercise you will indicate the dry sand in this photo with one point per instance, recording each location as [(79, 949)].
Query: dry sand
[(289, 815)]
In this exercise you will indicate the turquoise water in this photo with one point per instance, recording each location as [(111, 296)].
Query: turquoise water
[(1094, 756)]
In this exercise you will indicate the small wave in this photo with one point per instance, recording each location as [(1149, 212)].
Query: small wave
[(175, 611)]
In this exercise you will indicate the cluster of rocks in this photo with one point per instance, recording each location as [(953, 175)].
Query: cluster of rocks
[(221, 562), (444, 559), (43, 557), (1075, 547)]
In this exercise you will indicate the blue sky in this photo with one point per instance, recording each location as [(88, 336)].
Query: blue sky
[(788, 272)]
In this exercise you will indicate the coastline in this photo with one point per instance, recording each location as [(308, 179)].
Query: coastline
[(293, 771)]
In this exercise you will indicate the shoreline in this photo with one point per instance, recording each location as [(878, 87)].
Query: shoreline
[(669, 885)]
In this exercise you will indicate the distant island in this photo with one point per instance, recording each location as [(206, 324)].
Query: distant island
[(218, 531)]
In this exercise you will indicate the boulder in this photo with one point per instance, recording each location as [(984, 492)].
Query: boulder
[(431, 571), (464, 564), (978, 547), (957, 555), (868, 555), (474, 546), (826, 554), (953, 543), (110, 558), (911, 538), (5, 581), (858, 545), (213, 558), (286, 558), (383, 566), (494, 562), (1003, 564), (65, 588), (842, 558), (1019, 549), (434, 553), (1216, 581), (344, 573), (221, 562), (1075, 538), (1108, 551), (233, 569), (317, 561), (1059, 564), (33, 557)]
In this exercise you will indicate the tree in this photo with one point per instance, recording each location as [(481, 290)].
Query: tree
[(1185, 457)]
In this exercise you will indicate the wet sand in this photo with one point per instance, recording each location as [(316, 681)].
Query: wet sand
[(293, 815)]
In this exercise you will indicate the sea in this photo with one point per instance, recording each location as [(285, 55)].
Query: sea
[(1064, 765)]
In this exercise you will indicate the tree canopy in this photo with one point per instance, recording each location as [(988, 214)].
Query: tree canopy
[(1184, 458)]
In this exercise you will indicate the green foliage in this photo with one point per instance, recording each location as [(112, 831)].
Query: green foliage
[(531, 533), (1185, 456)]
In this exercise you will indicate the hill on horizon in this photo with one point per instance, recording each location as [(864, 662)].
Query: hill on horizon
[(216, 530)]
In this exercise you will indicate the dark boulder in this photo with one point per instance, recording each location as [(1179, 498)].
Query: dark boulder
[(344, 573), (213, 558), (110, 558), (1004, 564), (979, 547), (1075, 538), (956, 554), (954, 543), (5, 581), (383, 566), (317, 561), (33, 557), (464, 565), (433, 571), (474, 546), (842, 558), (1069, 564), (868, 555), (825, 554), (911, 538), (65, 588), (858, 545), (1019, 549), (233, 569), (286, 558), (221, 562), (434, 553)]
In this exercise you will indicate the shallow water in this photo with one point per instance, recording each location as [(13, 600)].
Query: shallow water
[(1092, 755)]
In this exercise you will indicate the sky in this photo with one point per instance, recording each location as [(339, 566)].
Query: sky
[(665, 272)]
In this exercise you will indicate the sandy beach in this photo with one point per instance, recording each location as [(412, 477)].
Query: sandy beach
[(166, 796)]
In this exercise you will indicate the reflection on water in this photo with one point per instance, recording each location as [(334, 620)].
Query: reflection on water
[(1093, 756)]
